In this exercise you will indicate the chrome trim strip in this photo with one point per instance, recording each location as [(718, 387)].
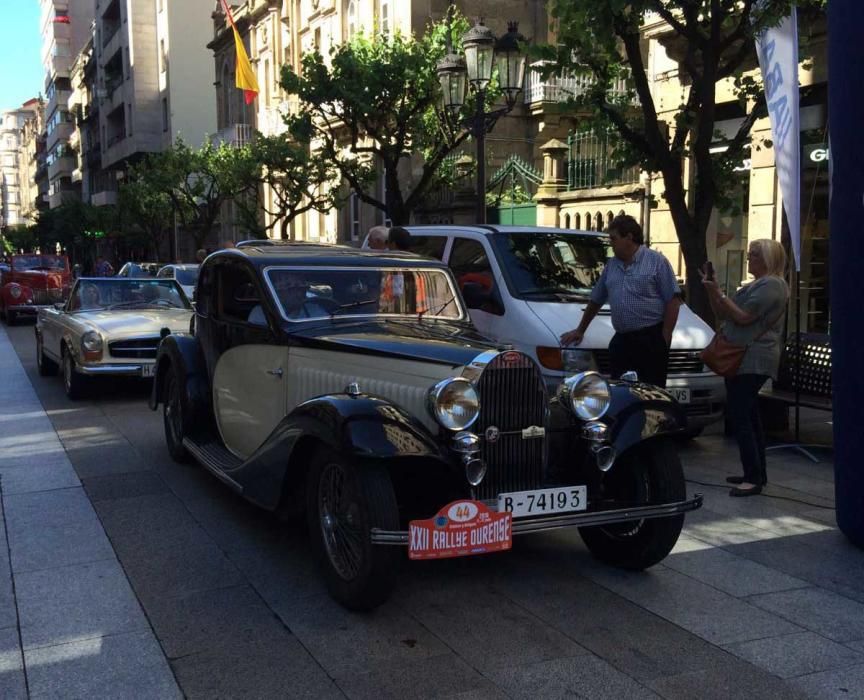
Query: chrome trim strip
[(524, 526), (124, 370)]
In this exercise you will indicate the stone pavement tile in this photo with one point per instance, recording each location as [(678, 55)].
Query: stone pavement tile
[(284, 574), (739, 682), (171, 563), (151, 513), (47, 476), (127, 485), (347, 643), (213, 620), (116, 666), (50, 457), (44, 444), (254, 669), (832, 685), (189, 481), (434, 677), (45, 508), (796, 654), (101, 460), (708, 613), (73, 603), (632, 639), (734, 575), (584, 676), (58, 544), (234, 523), (12, 683), (722, 529), (485, 627), (489, 692), (857, 646), (827, 613)]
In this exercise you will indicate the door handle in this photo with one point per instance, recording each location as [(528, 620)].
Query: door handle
[(276, 372)]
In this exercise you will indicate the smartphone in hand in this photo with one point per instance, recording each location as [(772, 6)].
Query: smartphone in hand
[(709, 270)]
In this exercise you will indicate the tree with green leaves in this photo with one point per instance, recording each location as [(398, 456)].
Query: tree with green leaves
[(712, 41), (297, 180), (148, 211), (374, 105)]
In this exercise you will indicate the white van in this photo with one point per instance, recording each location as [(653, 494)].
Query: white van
[(528, 285)]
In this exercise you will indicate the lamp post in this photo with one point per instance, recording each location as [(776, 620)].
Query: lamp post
[(482, 52)]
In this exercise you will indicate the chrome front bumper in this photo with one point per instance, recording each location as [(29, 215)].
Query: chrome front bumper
[(27, 308), (524, 526), (117, 370)]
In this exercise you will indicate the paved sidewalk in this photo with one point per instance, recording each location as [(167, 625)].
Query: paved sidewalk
[(70, 625)]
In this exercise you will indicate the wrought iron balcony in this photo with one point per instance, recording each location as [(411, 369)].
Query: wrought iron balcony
[(561, 88)]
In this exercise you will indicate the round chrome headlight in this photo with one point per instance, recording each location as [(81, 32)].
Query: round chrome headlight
[(91, 341), (454, 403), (15, 291), (587, 394)]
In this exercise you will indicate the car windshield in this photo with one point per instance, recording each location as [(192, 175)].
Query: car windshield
[(121, 293), (551, 265), (323, 293), (39, 262), (187, 276)]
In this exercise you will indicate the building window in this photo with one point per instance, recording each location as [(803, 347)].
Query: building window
[(354, 209), (351, 20), (384, 17), (128, 63), (128, 120), (266, 82), (164, 114), (161, 5), (163, 54)]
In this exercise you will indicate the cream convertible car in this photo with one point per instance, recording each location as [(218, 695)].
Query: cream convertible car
[(108, 327)]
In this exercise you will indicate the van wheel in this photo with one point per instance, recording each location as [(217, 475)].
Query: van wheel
[(75, 384), (47, 366), (648, 473), (344, 502)]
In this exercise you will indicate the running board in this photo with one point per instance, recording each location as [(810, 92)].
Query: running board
[(524, 526), (215, 458)]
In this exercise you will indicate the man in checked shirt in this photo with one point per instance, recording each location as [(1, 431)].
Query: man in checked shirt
[(644, 298)]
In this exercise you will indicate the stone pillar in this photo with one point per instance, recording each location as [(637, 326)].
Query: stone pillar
[(554, 182)]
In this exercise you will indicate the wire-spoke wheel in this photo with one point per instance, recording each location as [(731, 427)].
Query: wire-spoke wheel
[(649, 473), (345, 502), (173, 417)]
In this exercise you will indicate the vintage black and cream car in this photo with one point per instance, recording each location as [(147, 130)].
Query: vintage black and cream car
[(350, 386)]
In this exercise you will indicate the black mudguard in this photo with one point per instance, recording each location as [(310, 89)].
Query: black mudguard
[(183, 353), (360, 427), (640, 412)]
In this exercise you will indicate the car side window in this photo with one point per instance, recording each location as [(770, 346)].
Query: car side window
[(469, 263), (237, 295), (429, 246)]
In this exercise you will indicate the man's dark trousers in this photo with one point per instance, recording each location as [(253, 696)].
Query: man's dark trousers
[(643, 351)]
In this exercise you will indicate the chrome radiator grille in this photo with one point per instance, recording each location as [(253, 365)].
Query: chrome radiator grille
[(135, 348), (512, 398), (44, 297)]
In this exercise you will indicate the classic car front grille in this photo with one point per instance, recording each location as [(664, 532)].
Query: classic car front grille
[(136, 348), (43, 297), (512, 398), (680, 362)]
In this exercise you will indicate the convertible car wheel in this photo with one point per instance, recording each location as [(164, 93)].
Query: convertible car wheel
[(172, 416), (649, 473), (345, 501), (74, 383), (47, 366)]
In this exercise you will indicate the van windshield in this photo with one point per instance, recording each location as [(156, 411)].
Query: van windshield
[(551, 266)]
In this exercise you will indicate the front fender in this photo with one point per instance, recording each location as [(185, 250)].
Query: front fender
[(182, 353), (26, 296), (639, 412)]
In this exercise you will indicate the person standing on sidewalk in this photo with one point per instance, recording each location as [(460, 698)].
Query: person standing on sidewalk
[(753, 317), (644, 297)]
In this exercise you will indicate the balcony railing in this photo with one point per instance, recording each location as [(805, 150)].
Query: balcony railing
[(590, 163), (565, 87), (236, 135)]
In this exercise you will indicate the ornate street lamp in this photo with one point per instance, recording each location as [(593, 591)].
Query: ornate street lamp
[(482, 54)]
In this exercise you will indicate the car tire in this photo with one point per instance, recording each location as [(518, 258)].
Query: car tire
[(173, 417), (47, 366), (75, 384), (344, 502), (11, 318), (649, 473)]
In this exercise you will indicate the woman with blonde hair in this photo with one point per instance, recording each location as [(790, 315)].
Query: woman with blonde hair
[(752, 317)]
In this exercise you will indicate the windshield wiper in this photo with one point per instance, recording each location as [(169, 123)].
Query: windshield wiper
[(351, 305), (562, 294), (437, 311)]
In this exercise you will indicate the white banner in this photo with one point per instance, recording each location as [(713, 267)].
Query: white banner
[(778, 58)]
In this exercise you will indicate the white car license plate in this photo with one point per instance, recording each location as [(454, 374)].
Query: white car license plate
[(148, 370), (565, 499), (680, 395)]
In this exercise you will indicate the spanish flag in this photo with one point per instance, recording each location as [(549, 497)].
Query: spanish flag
[(245, 77)]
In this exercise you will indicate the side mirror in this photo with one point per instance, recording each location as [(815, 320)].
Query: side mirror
[(60, 305)]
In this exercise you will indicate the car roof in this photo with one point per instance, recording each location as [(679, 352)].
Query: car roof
[(324, 254), (489, 229)]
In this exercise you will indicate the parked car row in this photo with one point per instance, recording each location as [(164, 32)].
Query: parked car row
[(355, 388)]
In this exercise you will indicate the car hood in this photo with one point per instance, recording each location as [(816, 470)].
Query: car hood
[(691, 332), (42, 279), (136, 321), (433, 341)]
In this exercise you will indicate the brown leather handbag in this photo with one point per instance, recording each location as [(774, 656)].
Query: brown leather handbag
[(725, 358)]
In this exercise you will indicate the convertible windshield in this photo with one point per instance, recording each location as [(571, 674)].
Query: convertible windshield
[(120, 293), (39, 262), (186, 275), (551, 265), (322, 293)]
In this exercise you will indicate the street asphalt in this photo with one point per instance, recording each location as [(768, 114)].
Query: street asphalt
[(125, 575)]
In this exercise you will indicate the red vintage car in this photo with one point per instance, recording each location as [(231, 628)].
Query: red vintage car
[(33, 282)]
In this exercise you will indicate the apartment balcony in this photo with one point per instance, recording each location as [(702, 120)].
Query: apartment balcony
[(103, 198), (557, 89), (236, 135), (58, 198), (62, 167), (274, 117), (77, 175)]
